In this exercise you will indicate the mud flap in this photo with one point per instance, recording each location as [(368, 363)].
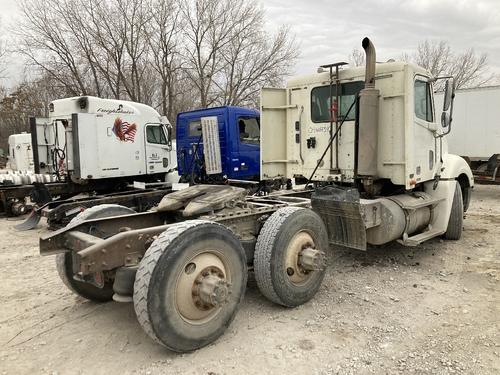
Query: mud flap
[(31, 222), (341, 212)]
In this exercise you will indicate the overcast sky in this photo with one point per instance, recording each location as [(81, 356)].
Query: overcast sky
[(328, 30)]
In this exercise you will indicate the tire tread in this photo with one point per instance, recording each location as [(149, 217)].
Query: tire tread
[(145, 271), (264, 249), (61, 266), (455, 223)]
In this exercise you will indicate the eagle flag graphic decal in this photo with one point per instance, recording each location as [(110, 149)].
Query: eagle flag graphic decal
[(124, 130)]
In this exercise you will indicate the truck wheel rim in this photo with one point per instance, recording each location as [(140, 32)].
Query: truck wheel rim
[(296, 273), (203, 287)]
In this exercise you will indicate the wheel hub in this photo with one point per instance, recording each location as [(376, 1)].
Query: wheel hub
[(311, 259), (210, 289), (203, 287), (302, 259)]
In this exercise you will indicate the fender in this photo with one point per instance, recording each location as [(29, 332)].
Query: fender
[(454, 166)]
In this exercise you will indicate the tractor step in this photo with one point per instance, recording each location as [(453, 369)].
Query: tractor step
[(421, 237)]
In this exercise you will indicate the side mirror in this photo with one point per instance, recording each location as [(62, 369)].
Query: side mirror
[(449, 95), (445, 119), (168, 129)]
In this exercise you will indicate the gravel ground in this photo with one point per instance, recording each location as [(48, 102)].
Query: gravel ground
[(434, 309)]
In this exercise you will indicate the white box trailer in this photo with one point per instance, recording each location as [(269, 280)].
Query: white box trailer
[(89, 138), (476, 122), (475, 131), (20, 152)]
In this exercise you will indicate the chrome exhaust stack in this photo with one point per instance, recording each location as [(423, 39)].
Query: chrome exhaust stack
[(368, 118), (371, 58)]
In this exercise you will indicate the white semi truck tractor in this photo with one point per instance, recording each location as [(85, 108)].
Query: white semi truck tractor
[(390, 172), (373, 154), (89, 139), (90, 145), (20, 152)]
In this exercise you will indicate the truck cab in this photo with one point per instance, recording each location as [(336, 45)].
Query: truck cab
[(238, 143), (376, 131), (88, 138), (20, 152)]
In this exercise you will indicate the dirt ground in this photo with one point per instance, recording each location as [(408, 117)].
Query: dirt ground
[(434, 309)]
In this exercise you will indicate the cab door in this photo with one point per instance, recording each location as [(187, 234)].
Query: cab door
[(158, 149), (246, 162), (424, 130)]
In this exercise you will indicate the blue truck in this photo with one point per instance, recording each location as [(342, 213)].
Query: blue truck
[(239, 139)]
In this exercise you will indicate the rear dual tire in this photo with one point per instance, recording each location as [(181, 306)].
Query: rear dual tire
[(168, 285), (64, 264), (278, 272), (64, 261)]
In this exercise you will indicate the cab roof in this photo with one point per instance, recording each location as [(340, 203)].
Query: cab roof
[(356, 73), (92, 104), (213, 110)]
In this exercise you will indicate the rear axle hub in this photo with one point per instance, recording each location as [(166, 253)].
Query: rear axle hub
[(311, 259), (210, 289)]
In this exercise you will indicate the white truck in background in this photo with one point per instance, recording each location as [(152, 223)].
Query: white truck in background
[(20, 152), (92, 145), (88, 138), (476, 130)]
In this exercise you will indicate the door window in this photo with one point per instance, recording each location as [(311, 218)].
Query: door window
[(194, 128), (249, 129), (423, 101), (156, 135)]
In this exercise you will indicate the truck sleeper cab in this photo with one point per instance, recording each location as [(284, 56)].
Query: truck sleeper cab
[(239, 137), (88, 138), (20, 152)]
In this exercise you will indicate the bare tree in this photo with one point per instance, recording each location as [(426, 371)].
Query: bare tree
[(434, 56), (3, 52), (47, 43), (114, 47), (108, 44), (168, 54), (94, 48), (229, 55), (356, 58), (253, 60), (468, 68), (136, 17), (208, 29), (27, 99), (163, 38)]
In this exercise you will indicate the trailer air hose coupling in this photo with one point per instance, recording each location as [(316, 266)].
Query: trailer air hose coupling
[(311, 259)]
